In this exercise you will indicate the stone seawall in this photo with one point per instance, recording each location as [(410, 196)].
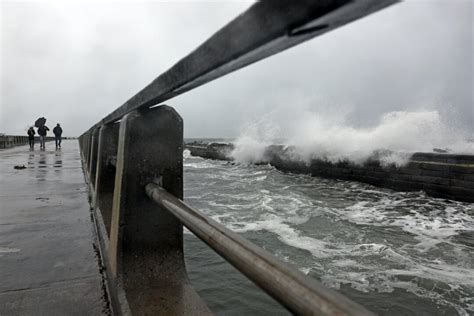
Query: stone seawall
[(439, 175)]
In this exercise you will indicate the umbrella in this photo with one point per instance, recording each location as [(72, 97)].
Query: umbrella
[(40, 122)]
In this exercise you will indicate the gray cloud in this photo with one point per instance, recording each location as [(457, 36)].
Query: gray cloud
[(74, 63)]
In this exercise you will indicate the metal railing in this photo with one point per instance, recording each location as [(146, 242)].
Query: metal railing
[(287, 285), (9, 141), (133, 162)]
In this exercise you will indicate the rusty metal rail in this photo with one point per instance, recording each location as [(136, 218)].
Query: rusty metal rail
[(139, 145)]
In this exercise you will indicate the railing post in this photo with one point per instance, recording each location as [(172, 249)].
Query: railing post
[(84, 150), (146, 241), (81, 147), (93, 159), (105, 176), (82, 140), (88, 153)]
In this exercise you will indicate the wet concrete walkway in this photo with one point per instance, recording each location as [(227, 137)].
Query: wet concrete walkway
[(48, 265)]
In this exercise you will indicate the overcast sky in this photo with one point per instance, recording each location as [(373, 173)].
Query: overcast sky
[(76, 62)]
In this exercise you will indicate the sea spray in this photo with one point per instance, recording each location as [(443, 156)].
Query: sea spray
[(315, 136), (255, 138)]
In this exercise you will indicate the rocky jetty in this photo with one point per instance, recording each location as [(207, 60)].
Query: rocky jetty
[(441, 175)]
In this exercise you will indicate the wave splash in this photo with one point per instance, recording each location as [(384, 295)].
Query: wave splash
[(313, 136)]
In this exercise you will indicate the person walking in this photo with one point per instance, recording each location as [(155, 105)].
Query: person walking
[(31, 137), (42, 131), (58, 131)]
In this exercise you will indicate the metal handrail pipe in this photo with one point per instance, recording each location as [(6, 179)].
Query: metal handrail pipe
[(298, 293), (266, 28)]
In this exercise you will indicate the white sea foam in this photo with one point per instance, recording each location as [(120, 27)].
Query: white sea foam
[(428, 227), (424, 256), (315, 135), (187, 153), (287, 234)]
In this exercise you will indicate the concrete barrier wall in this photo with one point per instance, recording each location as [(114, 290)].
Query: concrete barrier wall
[(439, 175), (9, 141)]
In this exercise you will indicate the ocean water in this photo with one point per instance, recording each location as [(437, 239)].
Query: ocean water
[(396, 253)]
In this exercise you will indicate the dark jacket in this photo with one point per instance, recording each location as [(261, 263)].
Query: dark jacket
[(57, 131), (31, 133), (43, 130)]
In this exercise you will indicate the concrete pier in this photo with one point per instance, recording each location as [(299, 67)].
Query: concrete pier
[(48, 261)]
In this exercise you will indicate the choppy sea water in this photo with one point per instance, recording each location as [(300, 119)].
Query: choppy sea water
[(396, 253)]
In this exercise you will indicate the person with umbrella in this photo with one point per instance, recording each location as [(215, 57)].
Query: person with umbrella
[(42, 130)]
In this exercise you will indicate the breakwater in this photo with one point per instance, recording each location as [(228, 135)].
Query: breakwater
[(440, 175)]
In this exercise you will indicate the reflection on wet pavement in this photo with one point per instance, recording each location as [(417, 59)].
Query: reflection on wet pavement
[(47, 260)]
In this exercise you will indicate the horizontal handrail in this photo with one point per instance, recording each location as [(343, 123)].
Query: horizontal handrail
[(295, 291), (266, 28)]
